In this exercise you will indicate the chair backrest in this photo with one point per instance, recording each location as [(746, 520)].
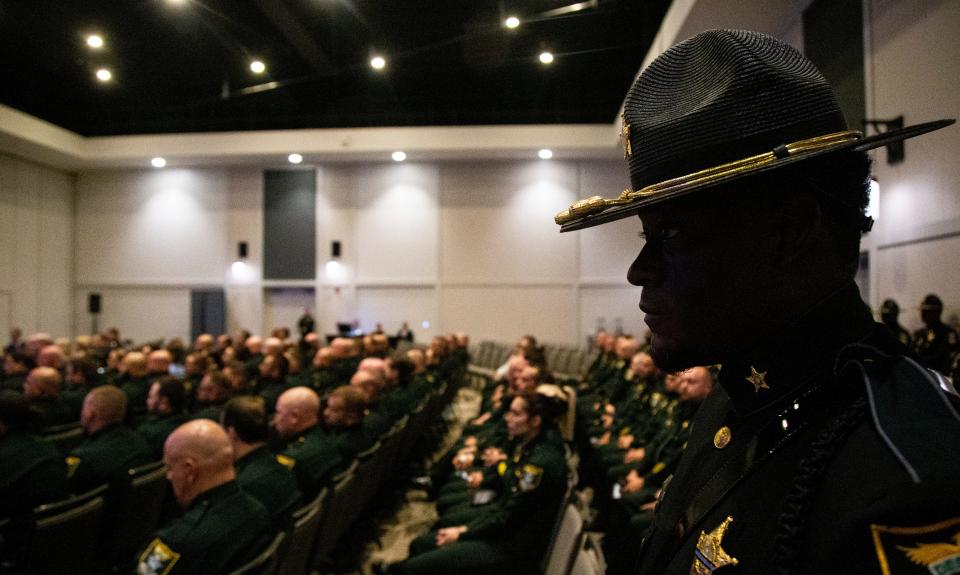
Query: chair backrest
[(134, 514), (266, 562), (62, 536), (585, 563), (565, 542), (64, 437), (306, 523), (333, 519)]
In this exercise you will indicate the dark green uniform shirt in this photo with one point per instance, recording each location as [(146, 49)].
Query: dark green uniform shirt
[(223, 529), (156, 428), (32, 472), (262, 477), (105, 457), (313, 456), (806, 471)]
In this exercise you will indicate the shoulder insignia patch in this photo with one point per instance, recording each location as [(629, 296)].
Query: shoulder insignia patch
[(501, 468), (286, 461), (931, 548), (658, 467), (157, 559), (72, 463), (529, 477)]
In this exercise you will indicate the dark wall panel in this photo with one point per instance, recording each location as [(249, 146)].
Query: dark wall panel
[(289, 224), (833, 39)]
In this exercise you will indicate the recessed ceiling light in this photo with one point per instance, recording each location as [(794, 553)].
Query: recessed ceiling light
[(545, 154), (257, 67), (398, 156), (294, 158), (104, 75), (546, 58), (95, 41), (512, 22), (378, 63), (158, 162)]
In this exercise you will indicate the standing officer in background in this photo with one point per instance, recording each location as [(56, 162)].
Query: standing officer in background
[(889, 314), (819, 452), (936, 343)]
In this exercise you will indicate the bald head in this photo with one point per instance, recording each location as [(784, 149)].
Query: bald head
[(375, 365), (370, 382), (272, 346), (42, 382), (253, 344), (159, 361), (102, 407), (298, 409), (134, 364), (198, 456), (50, 356)]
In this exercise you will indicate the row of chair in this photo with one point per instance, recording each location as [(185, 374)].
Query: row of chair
[(320, 525), (101, 530), (565, 362), (94, 532)]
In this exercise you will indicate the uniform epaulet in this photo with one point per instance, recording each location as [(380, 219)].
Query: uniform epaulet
[(915, 416)]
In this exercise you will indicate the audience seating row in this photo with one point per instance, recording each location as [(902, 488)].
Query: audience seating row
[(100, 531), (565, 362)]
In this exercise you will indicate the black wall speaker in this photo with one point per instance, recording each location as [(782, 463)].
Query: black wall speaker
[(335, 249), (242, 250), (93, 303)]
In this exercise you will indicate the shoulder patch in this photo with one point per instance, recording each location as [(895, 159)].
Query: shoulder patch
[(157, 559), (286, 461), (660, 466), (72, 463), (529, 477), (501, 468), (931, 548)]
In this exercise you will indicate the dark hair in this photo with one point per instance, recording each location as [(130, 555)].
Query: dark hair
[(841, 184), (218, 379), (283, 365), (549, 409), (23, 358), (87, 367), (404, 368), (172, 389), (247, 415)]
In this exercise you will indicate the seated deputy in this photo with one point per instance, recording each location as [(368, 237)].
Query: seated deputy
[(310, 452), (259, 473), (165, 412), (110, 448), (511, 534), (222, 527)]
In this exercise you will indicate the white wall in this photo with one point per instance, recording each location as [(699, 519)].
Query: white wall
[(36, 248), (460, 246), (913, 60)]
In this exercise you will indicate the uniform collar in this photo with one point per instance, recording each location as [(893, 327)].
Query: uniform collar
[(798, 354)]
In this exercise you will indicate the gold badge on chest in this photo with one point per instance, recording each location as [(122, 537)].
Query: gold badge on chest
[(709, 555)]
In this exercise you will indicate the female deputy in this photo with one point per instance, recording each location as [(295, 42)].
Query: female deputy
[(512, 534)]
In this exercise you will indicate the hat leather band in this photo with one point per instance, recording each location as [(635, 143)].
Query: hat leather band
[(596, 204)]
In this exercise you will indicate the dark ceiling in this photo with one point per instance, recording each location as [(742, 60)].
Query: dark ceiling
[(184, 66)]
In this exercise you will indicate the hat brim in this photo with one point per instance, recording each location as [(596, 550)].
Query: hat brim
[(620, 212)]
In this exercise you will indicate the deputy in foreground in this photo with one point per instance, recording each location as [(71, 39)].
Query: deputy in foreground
[(819, 452)]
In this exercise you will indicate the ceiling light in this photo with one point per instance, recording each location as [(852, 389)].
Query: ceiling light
[(257, 67), (378, 63), (104, 75), (398, 156), (545, 154), (158, 162), (294, 158), (512, 22), (95, 41), (546, 58)]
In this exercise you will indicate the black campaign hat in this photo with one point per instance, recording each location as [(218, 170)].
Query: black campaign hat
[(720, 106)]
